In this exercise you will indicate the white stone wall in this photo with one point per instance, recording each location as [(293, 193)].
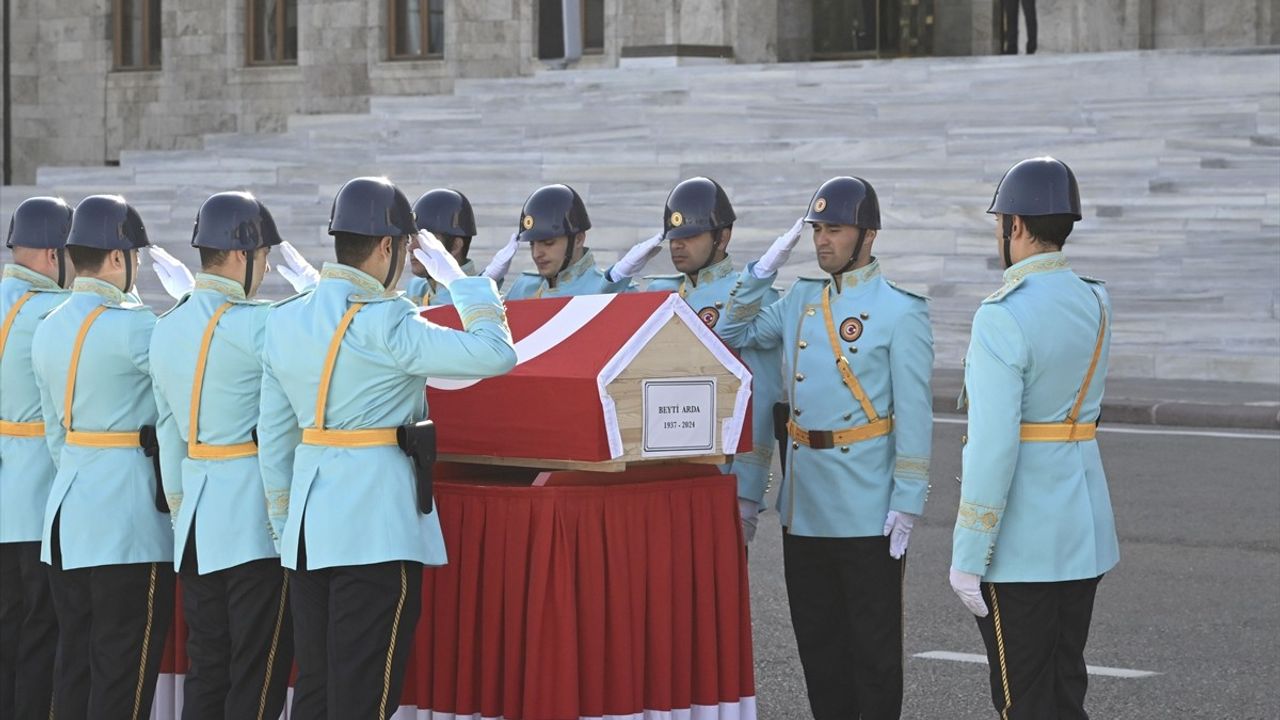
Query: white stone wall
[(70, 108)]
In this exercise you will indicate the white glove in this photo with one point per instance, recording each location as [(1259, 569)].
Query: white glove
[(174, 276), (497, 268), (777, 254), (636, 258), (439, 262), (967, 588), (897, 527), (296, 270), (749, 511)]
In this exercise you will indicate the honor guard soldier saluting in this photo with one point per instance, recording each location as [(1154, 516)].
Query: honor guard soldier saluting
[(33, 285), (206, 371), (106, 527), (1034, 532), (859, 354), (447, 215), (347, 362), (554, 222), (698, 225)]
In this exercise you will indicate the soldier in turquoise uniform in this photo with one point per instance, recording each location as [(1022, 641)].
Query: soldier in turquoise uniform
[(347, 362), (206, 373), (858, 355), (1035, 532), (554, 222), (106, 530), (698, 225), (447, 215), (34, 283)]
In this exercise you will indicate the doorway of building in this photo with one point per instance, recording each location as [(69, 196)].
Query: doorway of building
[(551, 28), (872, 28)]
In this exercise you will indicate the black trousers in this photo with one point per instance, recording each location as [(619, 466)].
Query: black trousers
[(239, 640), (1010, 8), (1035, 635), (113, 621), (846, 607), (28, 633), (353, 629)]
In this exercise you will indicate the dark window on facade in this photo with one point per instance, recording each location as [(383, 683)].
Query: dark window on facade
[(416, 28), (272, 32), (136, 34)]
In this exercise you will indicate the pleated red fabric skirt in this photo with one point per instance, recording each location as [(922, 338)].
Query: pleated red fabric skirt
[(559, 603)]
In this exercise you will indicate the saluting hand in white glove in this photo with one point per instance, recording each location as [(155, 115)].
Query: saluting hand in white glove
[(296, 270), (778, 253), (439, 262), (636, 258), (897, 527), (497, 268), (968, 587), (174, 276)]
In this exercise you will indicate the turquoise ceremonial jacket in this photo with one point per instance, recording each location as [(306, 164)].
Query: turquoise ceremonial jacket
[(580, 278), (26, 468), (1034, 511), (884, 332), (426, 291), (221, 500), (104, 496), (708, 297), (359, 505)]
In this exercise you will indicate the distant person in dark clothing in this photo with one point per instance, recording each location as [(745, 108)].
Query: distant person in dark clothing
[(1011, 25)]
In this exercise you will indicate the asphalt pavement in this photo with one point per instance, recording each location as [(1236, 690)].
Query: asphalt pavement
[(1195, 598)]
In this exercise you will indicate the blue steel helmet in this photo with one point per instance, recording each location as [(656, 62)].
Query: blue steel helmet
[(445, 212), (845, 200), (40, 222), (695, 206), (234, 221), (1038, 186), (107, 222), (552, 211), (373, 207)]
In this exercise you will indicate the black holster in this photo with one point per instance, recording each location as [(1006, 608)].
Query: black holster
[(418, 441), (781, 415), (150, 444)]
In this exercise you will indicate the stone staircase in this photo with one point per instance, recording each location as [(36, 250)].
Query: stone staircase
[(1178, 155)]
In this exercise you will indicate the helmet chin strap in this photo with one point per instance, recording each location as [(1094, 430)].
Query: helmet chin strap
[(568, 258), (1007, 229), (128, 269), (395, 260), (248, 270), (857, 253), (62, 267), (716, 236)]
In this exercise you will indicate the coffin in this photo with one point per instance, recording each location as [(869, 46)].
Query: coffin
[(601, 382)]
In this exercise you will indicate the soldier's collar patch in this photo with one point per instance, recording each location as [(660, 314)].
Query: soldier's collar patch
[(38, 282), (577, 269), (709, 315), (103, 289), (365, 283), (216, 283), (850, 329), (722, 269), (860, 276), (1043, 262)]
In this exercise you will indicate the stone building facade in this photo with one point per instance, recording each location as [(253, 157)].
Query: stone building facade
[(73, 96)]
